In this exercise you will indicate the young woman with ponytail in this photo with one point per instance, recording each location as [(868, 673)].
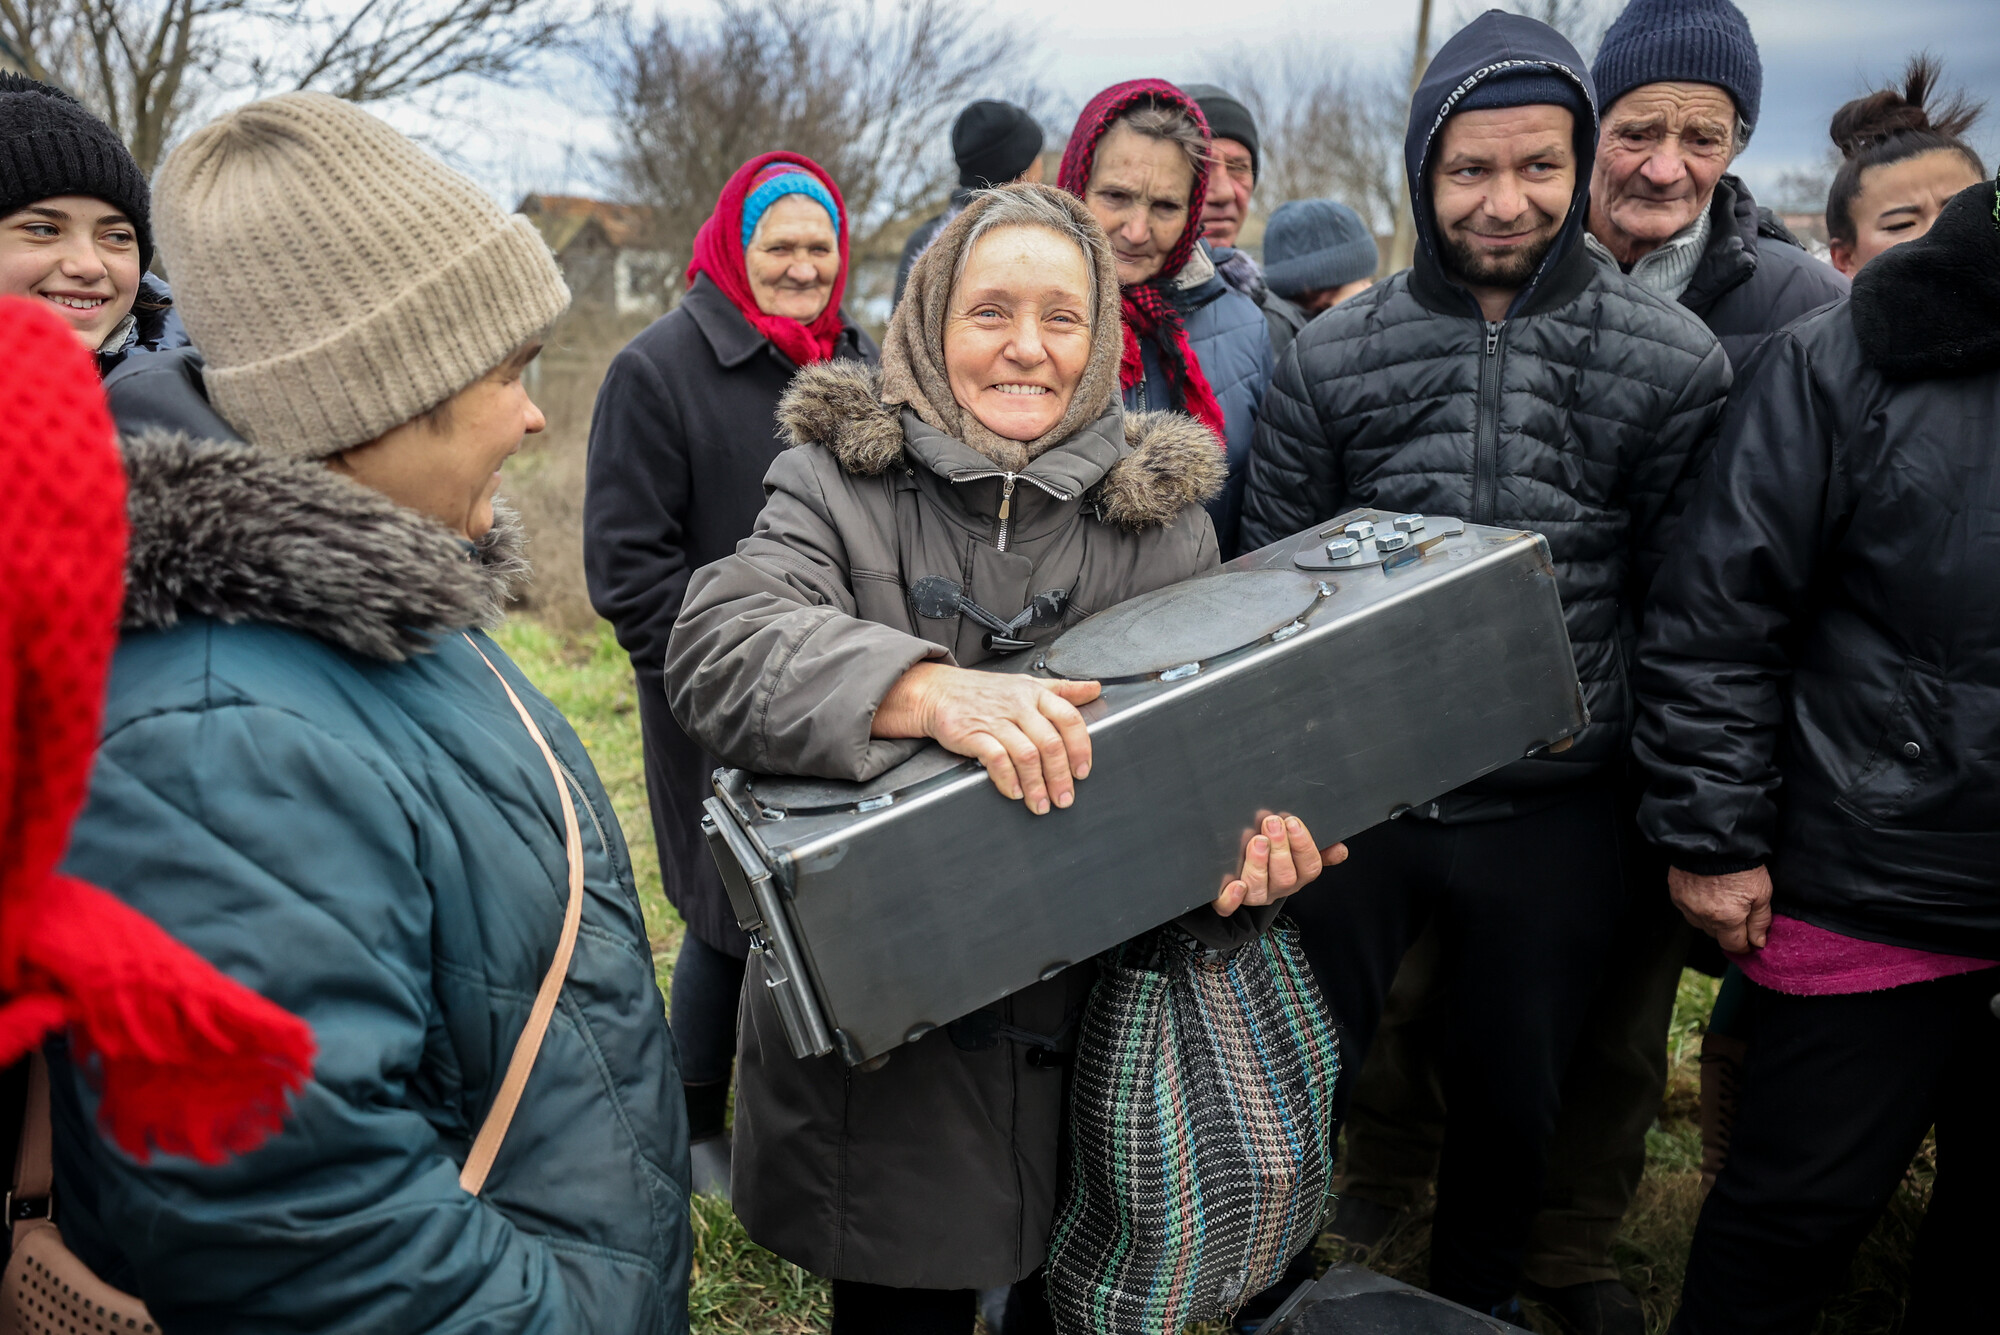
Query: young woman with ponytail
[(1905, 156)]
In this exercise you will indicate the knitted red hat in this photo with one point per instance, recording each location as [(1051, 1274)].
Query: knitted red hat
[(1147, 309), (191, 1062)]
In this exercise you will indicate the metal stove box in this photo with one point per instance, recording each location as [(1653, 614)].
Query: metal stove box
[(1344, 674)]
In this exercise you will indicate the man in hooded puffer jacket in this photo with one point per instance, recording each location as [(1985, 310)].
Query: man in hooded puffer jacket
[(1507, 379), (1681, 85)]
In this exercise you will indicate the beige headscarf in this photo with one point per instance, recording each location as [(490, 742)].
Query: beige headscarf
[(913, 372)]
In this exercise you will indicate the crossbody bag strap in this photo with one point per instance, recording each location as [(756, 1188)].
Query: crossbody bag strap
[(34, 1157), (492, 1131)]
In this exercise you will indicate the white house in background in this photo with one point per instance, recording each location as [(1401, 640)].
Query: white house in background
[(606, 252)]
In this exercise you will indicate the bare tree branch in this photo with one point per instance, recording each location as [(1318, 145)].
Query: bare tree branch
[(1328, 131), (146, 66), (1804, 189)]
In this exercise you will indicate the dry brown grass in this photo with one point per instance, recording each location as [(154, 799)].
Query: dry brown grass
[(545, 481)]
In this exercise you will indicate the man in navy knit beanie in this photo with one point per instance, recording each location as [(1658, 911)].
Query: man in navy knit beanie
[(1681, 85)]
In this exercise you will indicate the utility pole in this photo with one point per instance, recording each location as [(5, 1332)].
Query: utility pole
[(1403, 248)]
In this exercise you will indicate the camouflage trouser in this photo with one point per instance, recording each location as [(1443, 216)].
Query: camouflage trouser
[(1395, 1125)]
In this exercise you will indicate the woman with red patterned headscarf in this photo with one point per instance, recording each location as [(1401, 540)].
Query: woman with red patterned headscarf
[(1139, 160), (684, 430)]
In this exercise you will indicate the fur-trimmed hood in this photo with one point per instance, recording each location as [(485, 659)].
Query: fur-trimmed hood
[(227, 531), (1165, 463)]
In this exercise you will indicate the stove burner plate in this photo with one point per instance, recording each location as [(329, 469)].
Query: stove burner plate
[(1182, 624)]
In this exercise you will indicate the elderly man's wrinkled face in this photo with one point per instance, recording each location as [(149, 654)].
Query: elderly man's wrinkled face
[(1501, 184), (1662, 149), (446, 464), (1898, 202), (1139, 191), (1017, 330), (75, 255), (1230, 181), (793, 258)]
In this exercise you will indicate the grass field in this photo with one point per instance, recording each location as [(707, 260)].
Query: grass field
[(739, 1287)]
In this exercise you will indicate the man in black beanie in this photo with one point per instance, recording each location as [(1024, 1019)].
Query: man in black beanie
[(1237, 156), (994, 143), (75, 224)]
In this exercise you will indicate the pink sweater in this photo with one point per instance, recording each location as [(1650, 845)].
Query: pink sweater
[(1809, 961)]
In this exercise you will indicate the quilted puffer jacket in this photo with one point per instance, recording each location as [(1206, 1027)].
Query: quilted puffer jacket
[(1231, 341), (1584, 415), (1820, 675)]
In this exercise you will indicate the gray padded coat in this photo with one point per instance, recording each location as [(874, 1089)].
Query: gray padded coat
[(1584, 415), (938, 1169)]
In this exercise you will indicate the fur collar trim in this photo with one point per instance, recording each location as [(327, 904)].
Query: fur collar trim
[(1170, 461), (226, 531), (1926, 308)]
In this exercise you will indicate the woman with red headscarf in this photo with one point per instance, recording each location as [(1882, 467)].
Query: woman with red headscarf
[(684, 430), (1139, 159)]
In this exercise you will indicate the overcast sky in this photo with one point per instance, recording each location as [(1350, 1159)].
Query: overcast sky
[(1817, 54)]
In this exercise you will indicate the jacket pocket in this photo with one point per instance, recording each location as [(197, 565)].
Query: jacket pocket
[(1898, 778)]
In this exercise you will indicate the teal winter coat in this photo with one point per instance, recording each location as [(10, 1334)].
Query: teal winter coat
[(310, 777)]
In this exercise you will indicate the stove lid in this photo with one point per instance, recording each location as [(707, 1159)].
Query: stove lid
[(1183, 625)]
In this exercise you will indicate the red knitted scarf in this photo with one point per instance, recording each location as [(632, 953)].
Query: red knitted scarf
[(188, 1061), (1149, 311), (718, 252)]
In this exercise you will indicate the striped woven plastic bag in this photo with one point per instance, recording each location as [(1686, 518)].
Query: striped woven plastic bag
[(1202, 1134)]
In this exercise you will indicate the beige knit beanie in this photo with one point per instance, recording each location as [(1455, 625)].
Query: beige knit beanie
[(338, 279)]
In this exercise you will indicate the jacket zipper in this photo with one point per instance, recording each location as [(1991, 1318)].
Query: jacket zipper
[(1006, 508), (1008, 481), (1486, 427)]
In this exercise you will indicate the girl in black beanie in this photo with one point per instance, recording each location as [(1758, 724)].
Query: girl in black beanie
[(75, 224)]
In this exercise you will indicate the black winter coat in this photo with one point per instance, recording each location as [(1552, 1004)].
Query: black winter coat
[(684, 430), (1754, 278), (1585, 416), (1820, 675)]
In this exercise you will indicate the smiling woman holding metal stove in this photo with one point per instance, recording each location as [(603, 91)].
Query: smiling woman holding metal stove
[(983, 491)]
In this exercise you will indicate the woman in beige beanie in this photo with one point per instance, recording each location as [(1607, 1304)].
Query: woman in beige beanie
[(320, 774)]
